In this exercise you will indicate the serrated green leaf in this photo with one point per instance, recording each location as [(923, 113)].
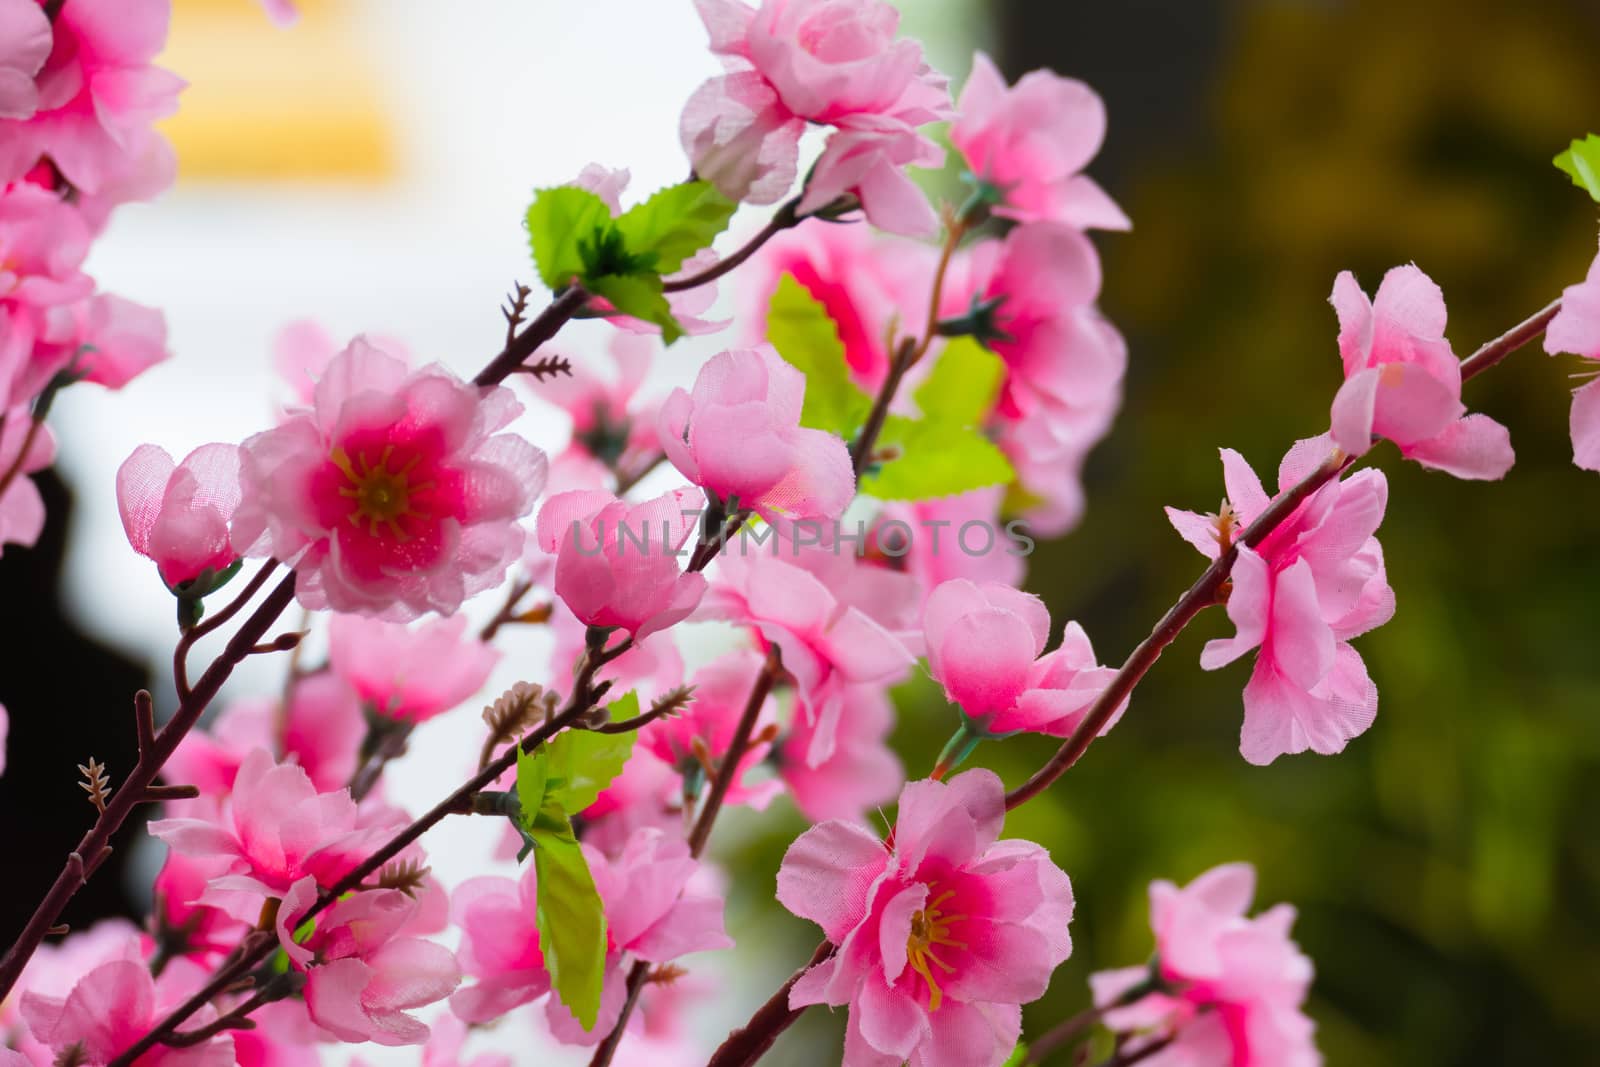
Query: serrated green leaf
[(676, 223), (962, 385), (808, 340), (624, 707), (533, 773), (561, 221), (570, 917), (582, 763), (1582, 163), (936, 459), (639, 295)]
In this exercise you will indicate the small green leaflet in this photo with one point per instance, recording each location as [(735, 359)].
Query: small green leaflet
[(1582, 164), (676, 223), (561, 776), (639, 295), (937, 459), (962, 386), (560, 221), (808, 340)]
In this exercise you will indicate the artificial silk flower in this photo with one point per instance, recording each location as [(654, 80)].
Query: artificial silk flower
[(21, 506), (698, 738), (1030, 143), (302, 350), (1403, 382), (940, 936), (178, 515), (860, 771), (409, 674), (737, 435), (959, 536), (106, 339), (43, 242), (610, 424), (110, 1008), (1576, 329), (984, 646), (24, 46), (1299, 596), (1224, 991), (868, 161), (392, 494), (619, 564)]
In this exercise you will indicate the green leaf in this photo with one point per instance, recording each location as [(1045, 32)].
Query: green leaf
[(676, 223), (1582, 163), (962, 385), (639, 295), (624, 707), (533, 774), (582, 763), (935, 459), (561, 221), (808, 340), (570, 917)]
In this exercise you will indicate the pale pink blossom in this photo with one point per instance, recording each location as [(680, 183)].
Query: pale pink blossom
[(273, 830), (742, 138), (302, 350), (42, 246), (393, 494), (611, 425), (738, 436), (868, 161), (940, 936), (985, 646), (21, 506), (621, 565), (110, 1008), (55, 967), (363, 974), (703, 731), (24, 46), (827, 637), (178, 515), (409, 674), (1403, 382), (1299, 596), (1228, 990), (1576, 329), (960, 536), (1031, 143), (109, 340), (859, 774)]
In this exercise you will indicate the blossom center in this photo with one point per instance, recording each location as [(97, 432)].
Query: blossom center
[(930, 927), (378, 496)]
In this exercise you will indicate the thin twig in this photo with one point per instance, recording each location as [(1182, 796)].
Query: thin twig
[(783, 219), (750, 1042)]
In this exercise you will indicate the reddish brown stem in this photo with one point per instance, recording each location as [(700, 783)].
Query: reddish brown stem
[(785, 218), (749, 1043)]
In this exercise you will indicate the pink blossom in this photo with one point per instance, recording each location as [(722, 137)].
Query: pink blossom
[(741, 138), (55, 967), (940, 935), (859, 774), (24, 46), (302, 350), (827, 639), (1031, 143), (110, 1008), (283, 12), (21, 506), (274, 829), (738, 436), (112, 340), (97, 93), (619, 565), (1300, 596), (362, 974), (392, 493), (42, 245), (1576, 329), (958, 536), (409, 675), (868, 161), (706, 727), (185, 927), (984, 646), (178, 516), (1403, 382), (1229, 989), (610, 424)]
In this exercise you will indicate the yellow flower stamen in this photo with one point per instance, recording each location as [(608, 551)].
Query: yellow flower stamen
[(380, 497), (929, 927)]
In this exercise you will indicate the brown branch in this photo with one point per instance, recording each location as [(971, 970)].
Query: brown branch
[(750, 1042), (567, 303), (783, 219)]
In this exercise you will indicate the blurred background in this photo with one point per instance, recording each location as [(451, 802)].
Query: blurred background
[(370, 167)]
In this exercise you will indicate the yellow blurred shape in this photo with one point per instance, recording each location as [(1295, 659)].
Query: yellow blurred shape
[(272, 104)]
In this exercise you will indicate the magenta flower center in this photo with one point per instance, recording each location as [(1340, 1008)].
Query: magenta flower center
[(930, 928), (379, 496)]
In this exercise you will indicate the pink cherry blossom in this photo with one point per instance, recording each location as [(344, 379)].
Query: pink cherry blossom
[(409, 675), (185, 927), (274, 829), (984, 646), (1229, 989), (620, 565), (97, 93), (110, 1008), (1403, 382), (940, 936), (1576, 329), (738, 436), (1299, 596), (1032, 141), (859, 774), (742, 138), (21, 506), (24, 46), (42, 246), (362, 973), (56, 967), (178, 516), (827, 639), (868, 161), (610, 424), (111, 340), (706, 727), (302, 350), (960, 536), (393, 493)]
